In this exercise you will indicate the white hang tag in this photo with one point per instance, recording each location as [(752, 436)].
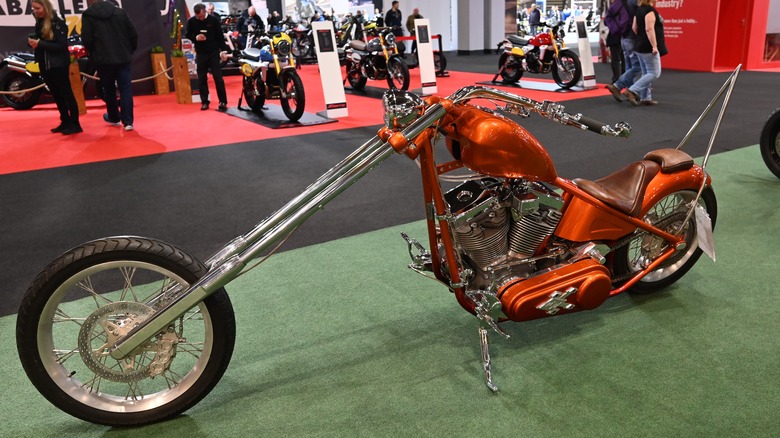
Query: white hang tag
[(704, 231)]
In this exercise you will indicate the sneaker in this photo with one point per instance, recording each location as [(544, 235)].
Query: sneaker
[(631, 96), (615, 92), (222, 107), (71, 129), (649, 102), (204, 106), (129, 127), (107, 120)]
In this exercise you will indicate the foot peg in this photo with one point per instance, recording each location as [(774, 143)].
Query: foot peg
[(421, 258)]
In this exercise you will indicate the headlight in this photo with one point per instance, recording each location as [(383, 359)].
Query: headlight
[(247, 70), (283, 48), (401, 108), (389, 39)]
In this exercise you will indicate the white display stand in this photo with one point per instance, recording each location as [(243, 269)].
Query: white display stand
[(330, 70), (425, 56), (588, 80)]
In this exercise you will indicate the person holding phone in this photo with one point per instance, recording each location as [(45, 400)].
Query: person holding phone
[(50, 42), (206, 33)]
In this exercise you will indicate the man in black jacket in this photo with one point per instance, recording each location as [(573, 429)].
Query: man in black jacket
[(111, 38), (206, 33)]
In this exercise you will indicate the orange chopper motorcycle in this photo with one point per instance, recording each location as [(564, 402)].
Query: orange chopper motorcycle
[(129, 330)]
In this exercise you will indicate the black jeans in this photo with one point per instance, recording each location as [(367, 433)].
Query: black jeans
[(113, 77), (206, 63), (58, 81)]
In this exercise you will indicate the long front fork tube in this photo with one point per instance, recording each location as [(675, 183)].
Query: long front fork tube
[(228, 263)]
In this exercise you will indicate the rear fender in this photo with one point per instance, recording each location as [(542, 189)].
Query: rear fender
[(583, 222)]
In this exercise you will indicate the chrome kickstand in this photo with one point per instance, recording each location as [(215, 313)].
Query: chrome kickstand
[(485, 344)]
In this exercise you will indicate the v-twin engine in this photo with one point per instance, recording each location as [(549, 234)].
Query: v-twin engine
[(499, 226)]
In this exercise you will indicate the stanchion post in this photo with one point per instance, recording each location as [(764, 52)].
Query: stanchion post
[(74, 74), (181, 80), (159, 65)]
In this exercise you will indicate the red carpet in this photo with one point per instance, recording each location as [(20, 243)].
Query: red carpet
[(164, 126)]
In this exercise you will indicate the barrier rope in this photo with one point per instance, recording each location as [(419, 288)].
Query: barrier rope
[(96, 78)]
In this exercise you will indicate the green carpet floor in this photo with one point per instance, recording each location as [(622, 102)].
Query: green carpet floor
[(340, 339)]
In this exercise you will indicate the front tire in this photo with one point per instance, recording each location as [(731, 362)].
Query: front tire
[(92, 294), (511, 71), (770, 143), (567, 70), (254, 92), (292, 87), (397, 74), (14, 81), (667, 214)]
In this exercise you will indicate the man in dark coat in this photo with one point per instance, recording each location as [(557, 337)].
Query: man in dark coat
[(206, 33), (111, 38), (394, 19)]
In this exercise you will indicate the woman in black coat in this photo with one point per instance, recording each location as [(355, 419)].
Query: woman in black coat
[(50, 43)]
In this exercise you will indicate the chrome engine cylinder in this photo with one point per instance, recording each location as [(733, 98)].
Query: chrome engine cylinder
[(528, 233), (484, 238)]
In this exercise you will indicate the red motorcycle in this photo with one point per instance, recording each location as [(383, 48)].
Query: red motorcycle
[(545, 53)]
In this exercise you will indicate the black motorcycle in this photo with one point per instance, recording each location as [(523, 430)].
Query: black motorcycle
[(770, 143), (376, 59), (21, 80)]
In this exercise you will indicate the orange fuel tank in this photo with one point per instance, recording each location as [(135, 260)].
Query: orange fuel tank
[(496, 146)]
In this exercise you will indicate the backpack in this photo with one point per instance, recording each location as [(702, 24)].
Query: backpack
[(618, 19)]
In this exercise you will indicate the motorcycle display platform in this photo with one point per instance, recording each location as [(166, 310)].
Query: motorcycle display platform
[(533, 85), (273, 117), (367, 91)]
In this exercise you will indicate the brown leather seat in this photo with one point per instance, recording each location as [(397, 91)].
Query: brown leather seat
[(624, 189), (671, 160)]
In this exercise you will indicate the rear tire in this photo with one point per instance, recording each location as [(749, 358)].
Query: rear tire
[(78, 306), (354, 77), (668, 213), (13, 81), (291, 85), (770, 143), (439, 62), (254, 92)]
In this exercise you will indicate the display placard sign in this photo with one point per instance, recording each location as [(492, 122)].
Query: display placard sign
[(330, 70), (425, 56), (588, 80)]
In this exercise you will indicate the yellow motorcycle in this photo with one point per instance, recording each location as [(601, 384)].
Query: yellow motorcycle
[(269, 73)]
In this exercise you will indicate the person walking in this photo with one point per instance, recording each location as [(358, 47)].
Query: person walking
[(210, 49), (625, 20), (650, 47), (111, 38), (50, 43)]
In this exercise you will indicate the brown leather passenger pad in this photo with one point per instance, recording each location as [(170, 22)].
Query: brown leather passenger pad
[(671, 160)]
